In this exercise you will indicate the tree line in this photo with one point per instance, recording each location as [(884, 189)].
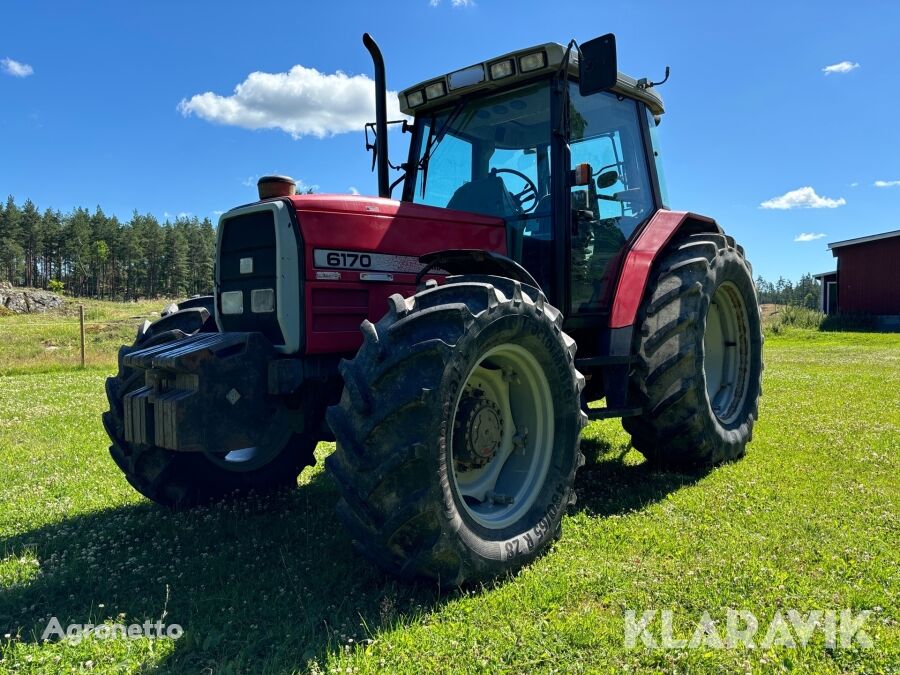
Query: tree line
[(805, 293), (99, 256)]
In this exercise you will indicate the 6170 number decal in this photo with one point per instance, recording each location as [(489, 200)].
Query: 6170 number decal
[(375, 262), (347, 259)]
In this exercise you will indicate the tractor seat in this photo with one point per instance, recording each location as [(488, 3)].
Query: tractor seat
[(486, 195)]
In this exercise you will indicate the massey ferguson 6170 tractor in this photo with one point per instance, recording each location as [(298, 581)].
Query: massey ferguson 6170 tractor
[(433, 335)]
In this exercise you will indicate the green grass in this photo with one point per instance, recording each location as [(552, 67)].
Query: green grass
[(808, 520), (50, 341)]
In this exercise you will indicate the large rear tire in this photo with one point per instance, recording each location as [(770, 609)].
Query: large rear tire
[(184, 479), (699, 349), (458, 430)]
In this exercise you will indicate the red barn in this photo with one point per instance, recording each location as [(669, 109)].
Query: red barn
[(867, 280)]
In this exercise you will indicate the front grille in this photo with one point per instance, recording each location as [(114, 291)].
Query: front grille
[(249, 236)]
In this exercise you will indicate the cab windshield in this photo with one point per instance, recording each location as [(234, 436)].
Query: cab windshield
[(488, 155)]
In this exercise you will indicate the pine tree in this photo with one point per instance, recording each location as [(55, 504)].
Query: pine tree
[(77, 250), (10, 236), (51, 256), (31, 240)]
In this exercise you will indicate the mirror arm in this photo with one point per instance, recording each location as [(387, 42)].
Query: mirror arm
[(373, 146)]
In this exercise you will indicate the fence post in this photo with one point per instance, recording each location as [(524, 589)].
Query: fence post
[(81, 321)]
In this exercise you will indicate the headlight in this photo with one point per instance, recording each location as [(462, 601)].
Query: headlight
[(262, 300), (501, 69), (233, 302), (415, 98), (435, 90), (531, 62)]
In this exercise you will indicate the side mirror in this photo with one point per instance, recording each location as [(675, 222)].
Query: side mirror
[(607, 179), (597, 65)]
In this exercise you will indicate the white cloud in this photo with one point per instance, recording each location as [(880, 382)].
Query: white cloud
[(887, 183), (249, 181), (842, 67), (809, 236), (802, 198), (301, 102), (217, 213), (454, 3), (15, 68), (854, 184), (177, 216), (303, 187), (353, 190)]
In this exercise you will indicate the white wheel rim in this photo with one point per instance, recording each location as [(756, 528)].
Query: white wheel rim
[(500, 492), (726, 353)]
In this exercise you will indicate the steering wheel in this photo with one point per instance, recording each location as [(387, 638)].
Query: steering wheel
[(529, 194)]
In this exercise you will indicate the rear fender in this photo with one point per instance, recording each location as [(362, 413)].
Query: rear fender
[(617, 341), (639, 260)]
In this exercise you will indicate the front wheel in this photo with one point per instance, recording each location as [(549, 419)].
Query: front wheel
[(185, 479), (699, 349), (458, 430)]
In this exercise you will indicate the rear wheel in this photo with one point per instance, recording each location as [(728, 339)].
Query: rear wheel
[(457, 433), (699, 349), (182, 479)]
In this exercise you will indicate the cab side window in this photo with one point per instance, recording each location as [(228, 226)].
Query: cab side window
[(605, 133), (453, 159)]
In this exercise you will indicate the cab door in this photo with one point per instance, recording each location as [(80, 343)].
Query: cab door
[(608, 133)]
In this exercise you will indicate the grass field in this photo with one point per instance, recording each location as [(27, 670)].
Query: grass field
[(809, 520), (50, 341)]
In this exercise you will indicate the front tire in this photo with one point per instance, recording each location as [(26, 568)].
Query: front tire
[(699, 349), (458, 430), (185, 479)]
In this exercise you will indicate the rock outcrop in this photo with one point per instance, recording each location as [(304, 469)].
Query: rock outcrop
[(27, 300)]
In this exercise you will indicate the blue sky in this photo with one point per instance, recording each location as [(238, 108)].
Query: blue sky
[(91, 102)]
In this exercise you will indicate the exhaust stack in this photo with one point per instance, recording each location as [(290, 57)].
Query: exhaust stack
[(381, 140), (276, 186)]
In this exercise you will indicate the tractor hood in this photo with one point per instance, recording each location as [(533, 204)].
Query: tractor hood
[(358, 251), (376, 206), (387, 227)]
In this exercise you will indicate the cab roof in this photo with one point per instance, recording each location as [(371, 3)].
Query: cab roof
[(480, 77)]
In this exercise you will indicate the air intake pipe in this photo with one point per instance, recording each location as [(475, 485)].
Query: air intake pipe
[(381, 140)]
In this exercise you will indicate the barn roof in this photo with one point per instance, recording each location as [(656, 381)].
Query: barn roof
[(863, 240)]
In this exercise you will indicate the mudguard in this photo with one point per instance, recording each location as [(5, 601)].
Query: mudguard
[(475, 261), (639, 260)]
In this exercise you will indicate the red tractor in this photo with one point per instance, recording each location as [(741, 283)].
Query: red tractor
[(532, 215)]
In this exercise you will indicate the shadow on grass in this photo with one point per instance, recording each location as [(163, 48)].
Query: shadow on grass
[(260, 583), (257, 583), (609, 485)]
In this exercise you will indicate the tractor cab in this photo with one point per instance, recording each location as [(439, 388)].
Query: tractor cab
[(573, 173)]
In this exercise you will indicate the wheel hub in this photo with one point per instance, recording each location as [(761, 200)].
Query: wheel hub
[(478, 430)]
